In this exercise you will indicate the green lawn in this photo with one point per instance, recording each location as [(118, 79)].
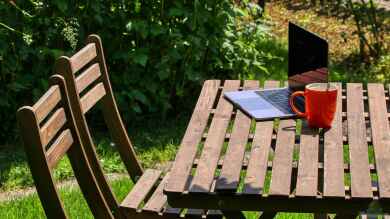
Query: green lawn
[(155, 141), (75, 205), (30, 207)]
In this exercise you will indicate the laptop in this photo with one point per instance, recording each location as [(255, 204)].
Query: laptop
[(307, 63)]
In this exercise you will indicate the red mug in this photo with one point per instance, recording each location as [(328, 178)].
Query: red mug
[(320, 104)]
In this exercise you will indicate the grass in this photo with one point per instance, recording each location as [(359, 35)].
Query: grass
[(74, 203), (76, 207), (157, 142), (154, 142)]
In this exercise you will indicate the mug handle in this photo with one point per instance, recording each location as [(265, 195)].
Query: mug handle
[(293, 107)]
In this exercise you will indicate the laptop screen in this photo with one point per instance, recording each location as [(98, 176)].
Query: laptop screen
[(307, 58)]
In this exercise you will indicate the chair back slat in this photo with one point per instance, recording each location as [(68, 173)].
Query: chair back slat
[(113, 118), (88, 77), (38, 137), (77, 84), (53, 126), (92, 97), (59, 148), (83, 57), (37, 161), (64, 67), (47, 103)]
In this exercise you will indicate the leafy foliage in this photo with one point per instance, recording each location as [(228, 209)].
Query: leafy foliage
[(158, 51)]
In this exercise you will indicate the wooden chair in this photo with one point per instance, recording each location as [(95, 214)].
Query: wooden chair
[(48, 131), (88, 83)]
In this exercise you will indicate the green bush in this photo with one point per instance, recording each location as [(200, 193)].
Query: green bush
[(158, 51)]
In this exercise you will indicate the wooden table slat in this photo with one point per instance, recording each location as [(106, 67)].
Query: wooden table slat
[(186, 154), (230, 174), (158, 200), (307, 181), (380, 136), (358, 147), (206, 191), (283, 158), (204, 174), (333, 154), (258, 160)]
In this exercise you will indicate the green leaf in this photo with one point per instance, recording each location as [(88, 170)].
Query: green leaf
[(141, 57), (62, 5), (156, 30), (16, 86), (136, 108), (129, 26), (176, 12), (138, 95), (163, 74)]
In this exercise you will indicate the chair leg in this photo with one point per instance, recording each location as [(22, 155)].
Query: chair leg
[(233, 214), (268, 214)]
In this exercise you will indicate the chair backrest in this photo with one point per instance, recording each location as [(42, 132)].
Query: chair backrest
[(88, 83), (48, 131)]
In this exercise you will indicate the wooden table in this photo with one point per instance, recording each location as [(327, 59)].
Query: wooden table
[(230, 162)]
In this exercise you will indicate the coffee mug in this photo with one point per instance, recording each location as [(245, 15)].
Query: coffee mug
[(320, 104)]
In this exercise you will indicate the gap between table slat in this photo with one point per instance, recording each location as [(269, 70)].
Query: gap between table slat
[(358, 147), (208, 161), (193, 135), (228, 180), (307, 181), (282, 162), (333, 154), (380, 136), (258, 160)]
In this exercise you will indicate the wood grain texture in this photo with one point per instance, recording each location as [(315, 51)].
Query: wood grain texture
[(208, 161), (229, 178), (92, 97), (41, 163), (333, 153), (258, 161), (113, 118), (52, 126), (63, 67), (282, 162), (187, 151), (380, 136), (79, 161), (307, 181), (59, 148), (88, 77), (158, 200), (40, 170), (83, 57), (358, 147), (141, 189), (47, 103)]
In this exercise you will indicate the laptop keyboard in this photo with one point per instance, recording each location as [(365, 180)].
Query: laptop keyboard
[(279, 98)]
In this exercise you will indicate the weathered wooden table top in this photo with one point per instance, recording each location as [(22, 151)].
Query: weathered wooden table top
[(229, 161)]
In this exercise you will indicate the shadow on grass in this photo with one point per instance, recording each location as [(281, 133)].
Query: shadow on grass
[(154, 139)]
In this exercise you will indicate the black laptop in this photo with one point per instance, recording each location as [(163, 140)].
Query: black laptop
[(307, 63)]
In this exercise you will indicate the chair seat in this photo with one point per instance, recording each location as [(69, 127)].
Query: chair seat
[(146, 200)]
